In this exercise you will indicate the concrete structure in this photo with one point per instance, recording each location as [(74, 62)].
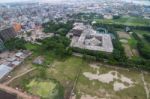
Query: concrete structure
[(7, 33), (17, 27), (10, 60), (90, 39), (4, 70), (2, 47)]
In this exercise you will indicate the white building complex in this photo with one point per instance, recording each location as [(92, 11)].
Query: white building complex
[(85, 37)]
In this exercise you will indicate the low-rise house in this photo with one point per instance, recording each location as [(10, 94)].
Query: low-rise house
[(9, 61)]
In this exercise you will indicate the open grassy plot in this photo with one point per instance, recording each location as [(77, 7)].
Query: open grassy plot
[(65, 72), (129, 43), (132, 42), (45, 89), (106, 90), (130, 21), (141, 32), (95, 81)]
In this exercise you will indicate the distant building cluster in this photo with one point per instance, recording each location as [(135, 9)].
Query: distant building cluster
[(29, 16), (34, 35), (85, 37), (10, 60), (6, 34)]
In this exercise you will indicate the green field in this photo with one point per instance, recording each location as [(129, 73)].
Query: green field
[(142, 32), (45, 89), (129, 21), (132, 42), (66, 71)]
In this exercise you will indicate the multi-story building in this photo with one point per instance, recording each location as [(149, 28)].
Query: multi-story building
[(7, 33), (2, 47)]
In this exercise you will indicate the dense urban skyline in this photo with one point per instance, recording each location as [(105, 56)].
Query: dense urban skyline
[(141, 2)]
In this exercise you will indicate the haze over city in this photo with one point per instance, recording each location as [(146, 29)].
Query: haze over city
[(74, 49)]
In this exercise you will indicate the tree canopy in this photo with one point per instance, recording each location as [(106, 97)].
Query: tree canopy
[(15, 44)]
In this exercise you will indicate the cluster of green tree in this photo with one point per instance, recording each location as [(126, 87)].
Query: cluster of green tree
[(116, 17), (142, 47), (59, 90), (29, 34), (144, 50), (15, 44), (59, 28), (146, 37), (57, 45), (136, 37), (123, 26)]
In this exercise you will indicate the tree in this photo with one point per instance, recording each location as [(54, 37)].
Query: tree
[(147, 37), (15, 43), (57, 45)]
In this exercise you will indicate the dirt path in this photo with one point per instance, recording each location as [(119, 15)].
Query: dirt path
[(9, 81), (18, 93), (145, 86), (75, 83)]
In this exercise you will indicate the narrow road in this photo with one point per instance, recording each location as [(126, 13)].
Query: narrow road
[(145, 86), (9, 81), (18, 93), (75, 83)]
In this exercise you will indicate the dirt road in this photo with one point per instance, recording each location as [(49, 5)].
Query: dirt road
[(18, 93), (9, 81)]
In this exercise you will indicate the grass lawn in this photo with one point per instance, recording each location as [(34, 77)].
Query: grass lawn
[(132, 42), (104, 90), (142, 32), (130, 21), (45, 89), (65, 72)]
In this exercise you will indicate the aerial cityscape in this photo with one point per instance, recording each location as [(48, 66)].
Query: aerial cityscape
[(75, 49)]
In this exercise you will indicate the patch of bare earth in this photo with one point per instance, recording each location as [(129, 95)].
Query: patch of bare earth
[(145, 86), (88, 97), (123, 35), (135, 52), (128, 50), (112, 76)]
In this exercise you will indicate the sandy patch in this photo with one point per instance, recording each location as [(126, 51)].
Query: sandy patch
[(119, 86), (94, 66), (128, 50), (126, 80), (88, 97), (109, 77), (105, 78), (123, 35), (135, 52), (123, 41), (73, 97)]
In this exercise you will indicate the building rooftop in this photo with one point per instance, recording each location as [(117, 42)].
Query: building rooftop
[(92, 40), (4, 70)]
